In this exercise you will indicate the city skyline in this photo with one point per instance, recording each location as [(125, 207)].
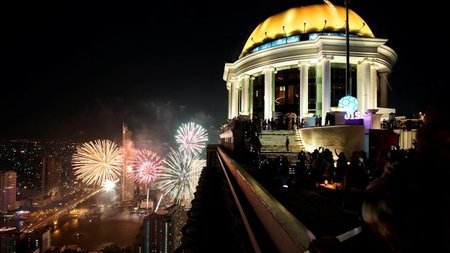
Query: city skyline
[(78, 71)]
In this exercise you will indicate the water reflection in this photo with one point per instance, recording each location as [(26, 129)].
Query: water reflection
[(95, 232)]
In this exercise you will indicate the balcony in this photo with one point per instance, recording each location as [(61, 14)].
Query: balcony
[(236, 210)]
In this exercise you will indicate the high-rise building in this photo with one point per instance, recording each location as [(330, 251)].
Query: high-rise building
[(38, 241), (127, 183), (161, 230), (8, 190), (51, 173), (46, 241), (8, 239)]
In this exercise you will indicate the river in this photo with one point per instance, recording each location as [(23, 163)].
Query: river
[(94, 233)]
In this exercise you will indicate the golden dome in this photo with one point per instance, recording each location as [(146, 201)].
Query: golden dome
[(304, 20)]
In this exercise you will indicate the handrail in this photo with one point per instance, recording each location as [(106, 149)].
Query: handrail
[(288, 234), (250, 233)]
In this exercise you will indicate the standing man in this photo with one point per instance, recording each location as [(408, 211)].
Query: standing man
[(287, 143)]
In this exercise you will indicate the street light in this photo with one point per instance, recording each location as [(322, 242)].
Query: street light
[(348, 89)]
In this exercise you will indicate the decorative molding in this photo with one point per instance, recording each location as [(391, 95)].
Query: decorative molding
[(291, 54), (303, 63)]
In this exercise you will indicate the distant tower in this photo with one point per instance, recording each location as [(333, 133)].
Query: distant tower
[(127, 183), (51, 173), (8, 190)]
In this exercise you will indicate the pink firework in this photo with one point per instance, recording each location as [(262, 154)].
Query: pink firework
[(191, 137), (147, 166)]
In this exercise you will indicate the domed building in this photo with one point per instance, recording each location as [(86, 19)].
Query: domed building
[(296, 62)]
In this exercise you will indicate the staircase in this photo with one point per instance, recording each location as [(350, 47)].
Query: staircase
[(273, 144)]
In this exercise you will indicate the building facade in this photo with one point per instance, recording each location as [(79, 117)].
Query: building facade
[(51, 174), (296, 62), (161, 230), (8, 181), (9, 238), (127, 184)]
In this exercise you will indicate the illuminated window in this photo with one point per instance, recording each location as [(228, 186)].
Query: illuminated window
[(292, 39), (313, 36), (278, 42)]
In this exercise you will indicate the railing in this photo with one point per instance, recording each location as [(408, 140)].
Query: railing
[(249, 218), (284, 230)]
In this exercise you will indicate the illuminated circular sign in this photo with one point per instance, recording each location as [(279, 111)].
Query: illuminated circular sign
[(349, 103)]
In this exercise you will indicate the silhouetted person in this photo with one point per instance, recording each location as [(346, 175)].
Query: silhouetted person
[(408, 206), (287, 143), (266, 170), (391, 121), (329, 119), (341, 167), (300, 168), (284, 171), (257, 144)]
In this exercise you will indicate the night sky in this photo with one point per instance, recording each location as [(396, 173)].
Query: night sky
[(77, 70)]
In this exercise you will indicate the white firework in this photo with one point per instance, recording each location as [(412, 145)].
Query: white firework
[(191, 137), (109, 185), (96, 162), (180, 176)]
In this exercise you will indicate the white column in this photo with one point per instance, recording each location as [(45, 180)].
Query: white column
[(363, 85), (383, 89), (373, 97), (245, 98), (234, 98), (359, 86), (268, 92), (326, 87), (230, 101), (272, 87), (304, 66), (240, 97), (252, 79)]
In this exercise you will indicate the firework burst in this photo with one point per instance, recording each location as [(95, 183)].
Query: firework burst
[(109, 185), (191, 137), (180, 176), (147, 166), (97, 161)]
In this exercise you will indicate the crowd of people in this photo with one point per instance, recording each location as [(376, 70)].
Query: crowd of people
[(404, 194), (408, 205)]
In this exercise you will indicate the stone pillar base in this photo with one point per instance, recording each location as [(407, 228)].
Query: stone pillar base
[(372, 120)]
